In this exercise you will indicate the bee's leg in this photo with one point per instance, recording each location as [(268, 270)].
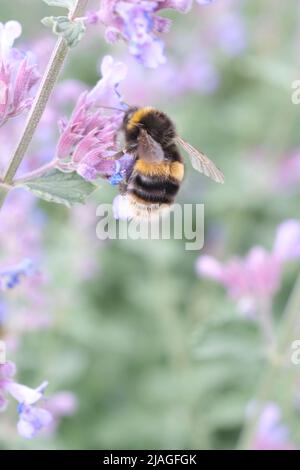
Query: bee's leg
[(117, 155), (129, 149)]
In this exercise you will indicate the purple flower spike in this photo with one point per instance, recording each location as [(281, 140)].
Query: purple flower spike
[(137, 23), (11, 277), (249, 279), (258, 275), (17, 75), (89, 140), (32, 419)]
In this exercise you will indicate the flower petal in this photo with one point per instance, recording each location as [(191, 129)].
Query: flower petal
[(23, 394), (209, 267)]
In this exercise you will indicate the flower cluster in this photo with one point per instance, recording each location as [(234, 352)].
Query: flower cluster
[(17, 74), (258, 275), (32, 418), (88, 141), (137, 22)]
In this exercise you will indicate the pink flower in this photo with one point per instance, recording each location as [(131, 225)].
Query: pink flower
[(271, 435), (17, 75), (60, 405), (258, 275), (89, 139), (246, 280)]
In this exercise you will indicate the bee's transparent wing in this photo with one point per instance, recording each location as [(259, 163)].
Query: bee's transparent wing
[(148, 149), (201, 162)]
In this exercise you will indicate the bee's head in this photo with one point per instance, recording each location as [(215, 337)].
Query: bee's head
[(128, 115)]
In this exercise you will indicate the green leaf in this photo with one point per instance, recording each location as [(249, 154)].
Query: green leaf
[(70, 4), (71, 31), (62, 188)]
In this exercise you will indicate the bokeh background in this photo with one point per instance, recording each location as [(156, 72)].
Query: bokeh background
[(156, 355)]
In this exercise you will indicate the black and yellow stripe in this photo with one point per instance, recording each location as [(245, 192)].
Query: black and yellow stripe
[(156, 183)]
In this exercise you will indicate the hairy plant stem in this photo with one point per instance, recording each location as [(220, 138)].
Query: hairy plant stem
[(3, 193), (47, 84), (287, 333)]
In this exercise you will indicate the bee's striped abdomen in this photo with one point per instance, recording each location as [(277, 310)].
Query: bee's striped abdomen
[(155, 183), (154, 190)]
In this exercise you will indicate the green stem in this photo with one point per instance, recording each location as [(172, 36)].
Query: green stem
[(288, 332), (3, 193), (45, 89), (47, 84)]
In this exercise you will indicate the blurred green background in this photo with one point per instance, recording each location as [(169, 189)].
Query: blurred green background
[(157, 357)]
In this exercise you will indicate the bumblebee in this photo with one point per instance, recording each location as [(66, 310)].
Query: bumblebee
[(158, 168)]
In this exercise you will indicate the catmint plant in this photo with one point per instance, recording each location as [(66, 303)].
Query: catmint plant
[(81, 155), (135, 21), (18, 74), (75, 137)]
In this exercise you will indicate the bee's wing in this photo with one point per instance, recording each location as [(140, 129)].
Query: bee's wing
[(148, 149), (201, 162)]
